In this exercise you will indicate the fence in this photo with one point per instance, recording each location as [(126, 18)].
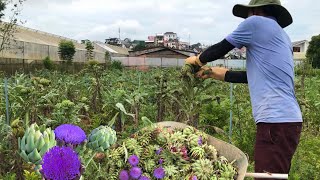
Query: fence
[(12, 65), (171, 62)]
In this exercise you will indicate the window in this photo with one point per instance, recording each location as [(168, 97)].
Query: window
[(296, 49)]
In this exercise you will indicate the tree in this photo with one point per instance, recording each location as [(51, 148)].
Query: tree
[(313, 52), (2, 7), (89, 48), (9, 28), (66, 50), (107, 56), (140, 46), (198, 45)]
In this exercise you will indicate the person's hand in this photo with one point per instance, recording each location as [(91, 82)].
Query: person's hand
[(217, 73), (194, 60)]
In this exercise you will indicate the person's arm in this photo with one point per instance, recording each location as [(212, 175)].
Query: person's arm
[(236, 77), (216, 51), (223, 74)]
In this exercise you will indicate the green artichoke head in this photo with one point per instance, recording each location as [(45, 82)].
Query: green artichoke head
[(35, 143), (203, 169), (101, 138)]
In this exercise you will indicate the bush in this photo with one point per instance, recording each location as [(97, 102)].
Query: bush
[(116, 65), (306, 68), (48, 63), (93, 66), (216, 114), (306, 162), (92, 63), (66, 50)]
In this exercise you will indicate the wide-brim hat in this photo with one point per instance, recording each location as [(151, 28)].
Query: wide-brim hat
[(282, 15)]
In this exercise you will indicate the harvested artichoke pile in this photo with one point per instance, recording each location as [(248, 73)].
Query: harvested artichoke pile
[(161, 153)]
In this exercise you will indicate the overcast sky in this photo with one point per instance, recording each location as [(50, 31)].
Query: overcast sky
[(207, 21)]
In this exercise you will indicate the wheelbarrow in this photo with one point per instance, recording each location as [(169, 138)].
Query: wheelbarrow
[(230, 152)]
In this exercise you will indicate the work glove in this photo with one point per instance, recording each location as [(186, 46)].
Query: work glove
[(194, 60), (217, 73)]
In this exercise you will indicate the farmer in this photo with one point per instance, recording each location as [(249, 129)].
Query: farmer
[(270, 76)]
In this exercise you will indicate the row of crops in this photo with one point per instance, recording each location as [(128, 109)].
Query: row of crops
[(126, 101)]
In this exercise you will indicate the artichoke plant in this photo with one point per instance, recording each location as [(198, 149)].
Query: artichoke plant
[(35, 143), (101, 138)]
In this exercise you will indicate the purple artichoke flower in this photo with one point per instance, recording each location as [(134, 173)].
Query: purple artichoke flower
[(124, 175), (159, 173), (61, 163), (200, 141), (135, 172), (144, 178), (159, 151), (194, 178), (70, 134), (133, 160), (161, 161)]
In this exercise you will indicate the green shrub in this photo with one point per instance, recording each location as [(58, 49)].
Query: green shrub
[(67, 50), (306, 161), (216, 114), (306, 68), (48, 63), (116, 65), (92, 63)]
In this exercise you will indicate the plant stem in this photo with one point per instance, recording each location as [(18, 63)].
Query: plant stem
[(87, 164)]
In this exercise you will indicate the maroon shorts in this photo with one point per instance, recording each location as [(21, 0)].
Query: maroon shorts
[(275, 146)]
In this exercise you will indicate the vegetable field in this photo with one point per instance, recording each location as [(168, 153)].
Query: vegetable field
[(118, 103)]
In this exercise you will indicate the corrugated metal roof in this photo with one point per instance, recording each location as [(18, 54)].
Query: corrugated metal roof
[(298, 42), (113, 49), (119, 50), (104, 46), (155, 49), (39, 37)]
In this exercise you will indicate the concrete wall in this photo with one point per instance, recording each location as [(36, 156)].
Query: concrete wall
[(299, 55)]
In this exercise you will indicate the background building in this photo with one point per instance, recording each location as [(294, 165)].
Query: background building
[(162, 52), (300, 49)]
